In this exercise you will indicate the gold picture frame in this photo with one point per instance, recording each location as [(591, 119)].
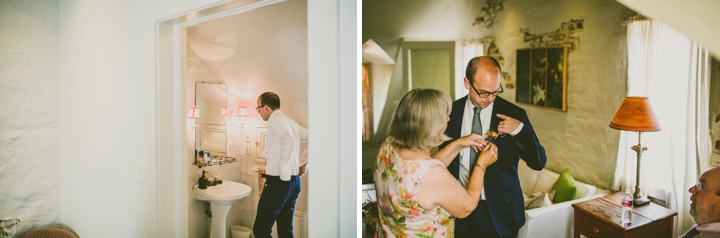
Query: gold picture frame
[(542, 77)]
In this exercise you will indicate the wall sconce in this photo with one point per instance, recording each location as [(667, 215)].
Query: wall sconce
[(193, 113), (241, 114)]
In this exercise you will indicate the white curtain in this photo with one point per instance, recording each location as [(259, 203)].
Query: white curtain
[(470, 49), (672, 71)]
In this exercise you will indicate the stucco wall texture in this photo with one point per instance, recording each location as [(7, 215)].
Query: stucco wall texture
[(29, 145), (579, 139)]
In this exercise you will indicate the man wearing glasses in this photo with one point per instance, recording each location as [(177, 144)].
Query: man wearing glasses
[(705, 205), (500, 211), (284, 166)]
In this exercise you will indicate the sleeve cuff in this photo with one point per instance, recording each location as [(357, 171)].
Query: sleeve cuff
[(517, 130)]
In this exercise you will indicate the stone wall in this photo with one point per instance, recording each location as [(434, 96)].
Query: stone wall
[(29, 138), (580, 138)]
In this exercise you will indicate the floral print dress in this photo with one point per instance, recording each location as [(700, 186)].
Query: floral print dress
[(397, 182)]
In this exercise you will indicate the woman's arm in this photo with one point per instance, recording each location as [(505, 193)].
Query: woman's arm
[(449, 152), (439, 187)]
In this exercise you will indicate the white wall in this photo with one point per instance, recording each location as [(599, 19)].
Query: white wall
[(715, 111), (107, 97), (698, 19), (29, 139), (580, 138), (197, 71), (381, 74)]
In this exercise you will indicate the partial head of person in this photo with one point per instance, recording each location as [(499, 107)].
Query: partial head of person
[(705, 198), (267, 103), (482, 79), (420, 119)]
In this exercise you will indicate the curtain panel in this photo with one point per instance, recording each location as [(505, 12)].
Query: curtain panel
[(672, 71)]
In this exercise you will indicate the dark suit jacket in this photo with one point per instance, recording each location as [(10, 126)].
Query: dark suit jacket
[(502, 186)]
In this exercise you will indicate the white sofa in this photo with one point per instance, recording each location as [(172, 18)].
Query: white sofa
[(550, 221)]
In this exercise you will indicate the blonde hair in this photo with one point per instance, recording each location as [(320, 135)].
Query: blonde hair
[(419, 119)]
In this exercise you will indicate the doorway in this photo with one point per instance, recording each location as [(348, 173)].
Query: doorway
[(337, 20), (430, 64)]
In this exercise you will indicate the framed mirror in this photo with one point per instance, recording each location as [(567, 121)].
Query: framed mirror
[(211, 133)]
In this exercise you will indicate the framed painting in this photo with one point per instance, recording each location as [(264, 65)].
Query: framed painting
[(542, 77)]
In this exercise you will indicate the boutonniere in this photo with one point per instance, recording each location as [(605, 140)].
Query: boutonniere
[(492, 135)]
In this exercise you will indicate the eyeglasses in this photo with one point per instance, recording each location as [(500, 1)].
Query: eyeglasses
[(699, 187), (484, 94), (258, 108)]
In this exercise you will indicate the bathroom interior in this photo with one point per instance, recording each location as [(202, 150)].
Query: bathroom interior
[(230, 62)]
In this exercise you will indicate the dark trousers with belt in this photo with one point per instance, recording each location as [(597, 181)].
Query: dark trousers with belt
[(469, 227), (277, 203)]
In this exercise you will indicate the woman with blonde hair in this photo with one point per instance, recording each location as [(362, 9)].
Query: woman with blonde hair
[(417, 196)]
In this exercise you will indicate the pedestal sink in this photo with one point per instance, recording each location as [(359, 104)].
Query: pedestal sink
[(221, 198)]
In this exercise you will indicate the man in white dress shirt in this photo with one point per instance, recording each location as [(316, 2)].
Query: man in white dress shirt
[(283, 167)]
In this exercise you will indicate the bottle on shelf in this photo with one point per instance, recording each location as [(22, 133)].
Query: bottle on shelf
[(627, 205), (201, 160)]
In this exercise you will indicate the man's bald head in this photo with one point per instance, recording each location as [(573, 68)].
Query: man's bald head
[(481, 62)]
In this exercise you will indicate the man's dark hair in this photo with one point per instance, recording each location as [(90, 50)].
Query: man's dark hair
[(270, 99), (474, 64)]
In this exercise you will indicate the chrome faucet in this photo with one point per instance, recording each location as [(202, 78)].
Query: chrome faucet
[(213, 180)]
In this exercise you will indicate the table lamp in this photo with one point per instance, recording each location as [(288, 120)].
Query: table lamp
[(636, 114)]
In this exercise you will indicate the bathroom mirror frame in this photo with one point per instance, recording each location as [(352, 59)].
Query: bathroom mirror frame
[(211, 133)]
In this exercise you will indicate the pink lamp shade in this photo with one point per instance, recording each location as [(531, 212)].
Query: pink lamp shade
[(193, 112), (635, 114)]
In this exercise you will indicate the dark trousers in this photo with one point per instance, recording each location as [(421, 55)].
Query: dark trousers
[(277, 203), (468, 227)]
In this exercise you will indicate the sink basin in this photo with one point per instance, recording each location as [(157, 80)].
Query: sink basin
[(221, 197), (226, 193)]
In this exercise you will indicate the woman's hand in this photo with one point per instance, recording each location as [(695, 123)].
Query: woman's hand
[(488, 155), (475, 141)]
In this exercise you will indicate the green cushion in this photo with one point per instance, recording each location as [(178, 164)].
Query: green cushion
[(565, 188)]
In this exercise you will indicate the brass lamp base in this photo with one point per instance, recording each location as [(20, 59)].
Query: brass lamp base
[(640, 201), (639, 198)]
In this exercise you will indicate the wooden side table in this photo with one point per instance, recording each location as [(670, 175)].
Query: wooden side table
[(601, 218)]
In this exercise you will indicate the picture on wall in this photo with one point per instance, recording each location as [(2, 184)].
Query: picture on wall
[(542, 77)]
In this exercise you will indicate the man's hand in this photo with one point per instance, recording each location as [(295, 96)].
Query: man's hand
[(508, 124), (302, 170)]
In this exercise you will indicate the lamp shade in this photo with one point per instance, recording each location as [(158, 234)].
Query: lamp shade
[(193, 112), (635, 114), (242, 112)]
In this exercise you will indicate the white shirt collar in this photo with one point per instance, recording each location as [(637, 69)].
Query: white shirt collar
[(709, 228)]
